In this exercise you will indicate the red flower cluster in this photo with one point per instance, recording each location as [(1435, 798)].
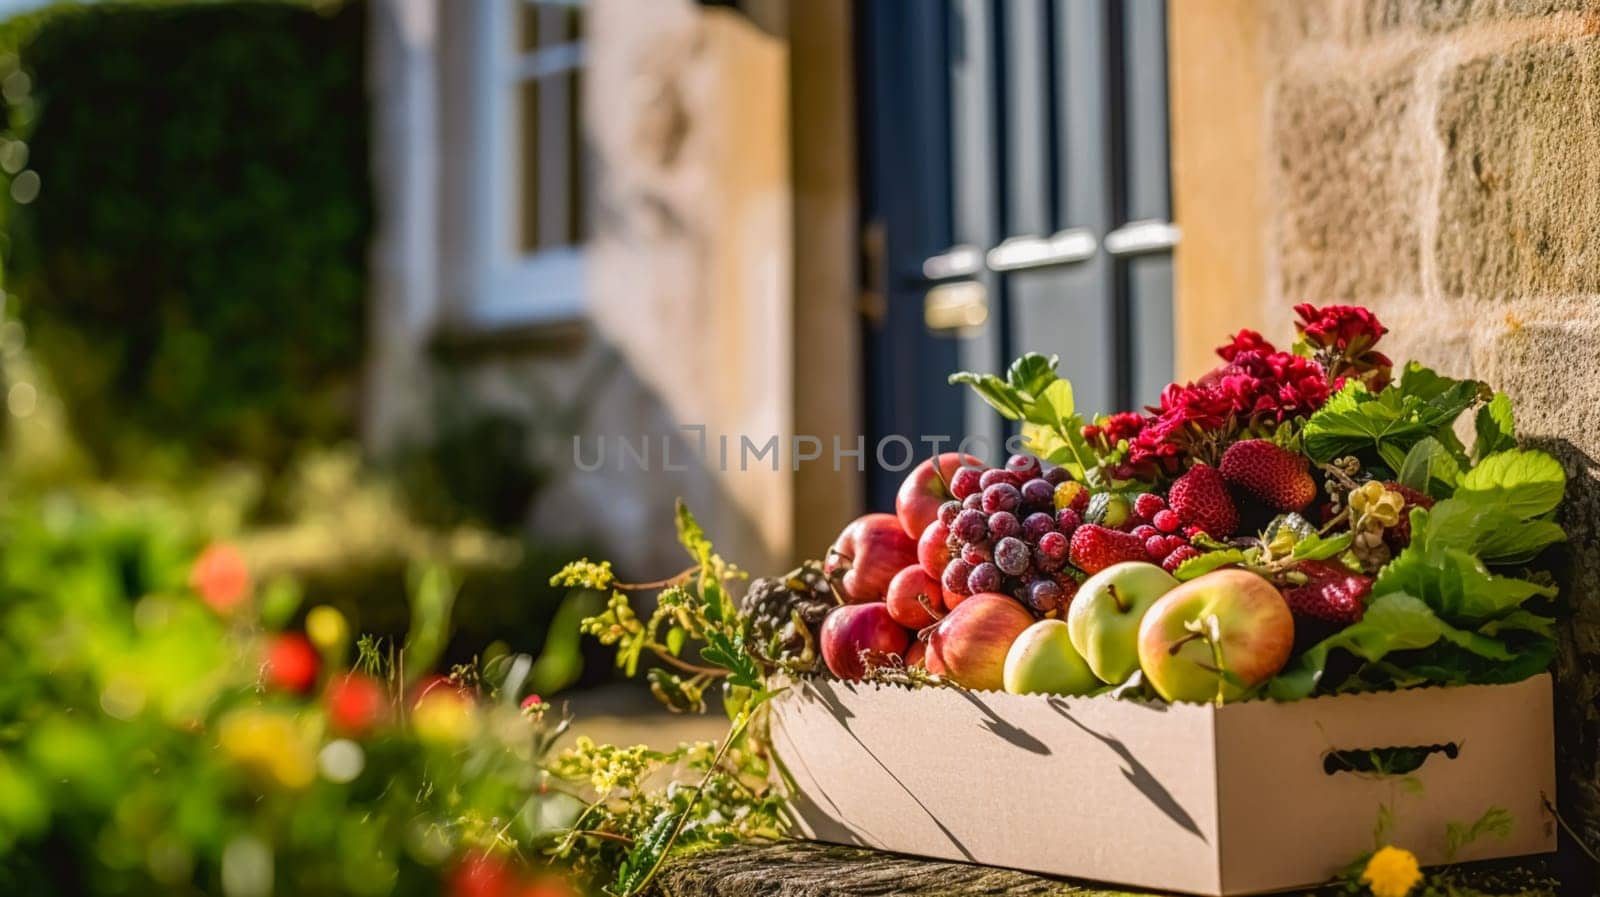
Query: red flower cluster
[(1347, 329), (1342, 339), (1105, 433), (1256, 386)]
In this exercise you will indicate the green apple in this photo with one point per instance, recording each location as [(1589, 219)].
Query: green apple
[(1104, 617), (1226, 620), (1043, 661)]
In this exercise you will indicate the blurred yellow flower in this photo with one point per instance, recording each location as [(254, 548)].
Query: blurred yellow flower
[(327, 629), (269, 743), (444, 716), (1392, 872)]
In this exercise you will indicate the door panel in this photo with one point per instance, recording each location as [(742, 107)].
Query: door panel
[(1014, 165)]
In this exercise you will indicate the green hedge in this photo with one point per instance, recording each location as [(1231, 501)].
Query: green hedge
[(193, 269)]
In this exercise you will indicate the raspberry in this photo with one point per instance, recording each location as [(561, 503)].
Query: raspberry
[(1270, 473), (1096, 547), (1178, 556), (1143, 531), (1148, 505), (1156, 547), (1332, 593), (1200, 497), (1166, 520)]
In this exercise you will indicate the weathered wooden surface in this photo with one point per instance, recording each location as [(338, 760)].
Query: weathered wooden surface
[(805, 869)]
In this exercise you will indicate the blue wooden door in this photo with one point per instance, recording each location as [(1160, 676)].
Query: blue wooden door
[(1015, 198)]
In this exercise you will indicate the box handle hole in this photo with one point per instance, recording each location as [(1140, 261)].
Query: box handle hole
[(1386, 761)]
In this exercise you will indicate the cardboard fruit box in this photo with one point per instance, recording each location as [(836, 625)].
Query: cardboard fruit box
[(1241, 799)]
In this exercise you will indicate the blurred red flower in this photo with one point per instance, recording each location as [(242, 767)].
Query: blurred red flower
[(290, 663), (481, 874), (356, 703), (221, 577)]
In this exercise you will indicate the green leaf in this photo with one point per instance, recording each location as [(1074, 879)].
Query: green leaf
[(648, 852), (1205, 563), (1054, 407), (1388, 424), (1455, 584), (1430, 468), (729, 653), (1520, 620), (1524, 482), (692, 536), (1392, 622), (1478, 525), (1495, 427), (433, 597), (1495, 821), (997, 392), (1032, 372), (1317, 548)]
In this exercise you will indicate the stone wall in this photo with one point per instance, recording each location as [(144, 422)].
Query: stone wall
[(1438, 162)]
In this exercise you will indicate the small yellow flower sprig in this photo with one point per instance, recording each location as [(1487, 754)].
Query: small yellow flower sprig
[(1391, 872)]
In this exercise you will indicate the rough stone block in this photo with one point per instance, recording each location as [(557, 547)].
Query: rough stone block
[(1382, 16), (1520, 196), (1347, 195)]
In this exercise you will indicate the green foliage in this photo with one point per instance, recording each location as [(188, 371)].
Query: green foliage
[(140, 750), (734, 799), (146, 748), (1032, 392), (193, 269), (1384, 427), (1440, 612)]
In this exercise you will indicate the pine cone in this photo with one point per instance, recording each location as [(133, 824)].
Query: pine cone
[(785, 613)]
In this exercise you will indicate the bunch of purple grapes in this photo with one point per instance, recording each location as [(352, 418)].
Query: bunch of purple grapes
[(1006, 534)]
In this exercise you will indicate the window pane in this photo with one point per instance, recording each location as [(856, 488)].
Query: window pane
[(549, 134), (578, 189), (528, 156)]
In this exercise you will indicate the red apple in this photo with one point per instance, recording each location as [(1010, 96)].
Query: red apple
[(916, 653), (867, 554), (970, 644), (907, 592), (933, 549), (926, 488), (852, 630)]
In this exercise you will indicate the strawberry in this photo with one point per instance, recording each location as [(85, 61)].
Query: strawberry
[(1270, 473), (1332, 593), (1095, 547), (1200, 498), (1399, 535)]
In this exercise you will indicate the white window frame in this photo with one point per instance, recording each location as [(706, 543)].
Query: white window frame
[(500, 285)]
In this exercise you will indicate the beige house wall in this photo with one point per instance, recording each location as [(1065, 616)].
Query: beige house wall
[(1440, 163)]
